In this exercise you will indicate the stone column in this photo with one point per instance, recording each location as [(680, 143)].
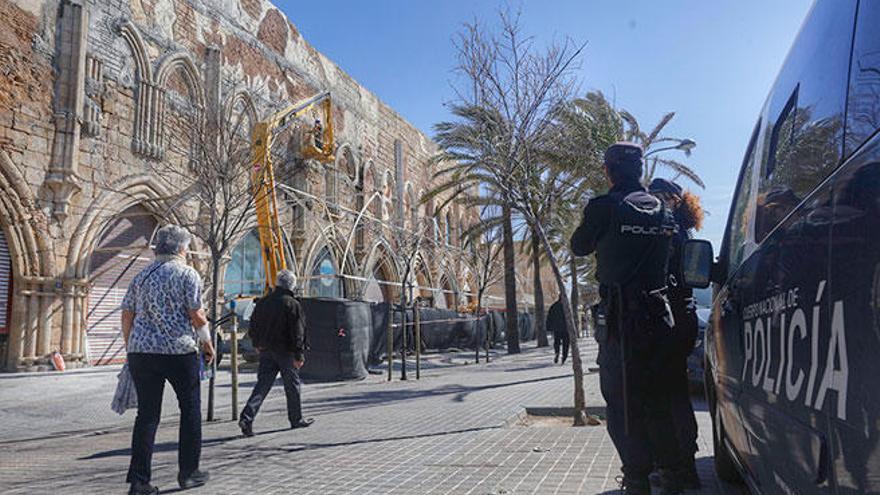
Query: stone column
[(70, 56), (67, 319), (45, 320), (30, 329), (18, 319)]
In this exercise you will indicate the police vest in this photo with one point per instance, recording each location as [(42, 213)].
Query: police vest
[(635, 249)]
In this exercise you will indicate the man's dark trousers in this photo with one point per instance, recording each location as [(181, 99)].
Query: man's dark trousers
[(561, 339), (648, 404), (271, 363), (149, 372)]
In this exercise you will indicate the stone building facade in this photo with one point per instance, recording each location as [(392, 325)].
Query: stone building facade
[(91, 92)]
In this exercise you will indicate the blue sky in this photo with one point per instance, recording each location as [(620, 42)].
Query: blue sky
[(712, 62)]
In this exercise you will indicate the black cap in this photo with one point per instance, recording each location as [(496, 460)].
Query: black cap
[(665, 186), (623, 153)]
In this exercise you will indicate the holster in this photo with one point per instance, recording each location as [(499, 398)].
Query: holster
[(646, 314)]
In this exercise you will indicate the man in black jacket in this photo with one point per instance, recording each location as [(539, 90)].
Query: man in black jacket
[(630, 231), (556, 324), (278, 332)]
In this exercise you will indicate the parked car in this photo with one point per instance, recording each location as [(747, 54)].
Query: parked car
[(793, 345)]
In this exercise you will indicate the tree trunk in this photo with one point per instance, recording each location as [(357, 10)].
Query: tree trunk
[(212, 315), (540, 317), (512, 325), (575, 293), (580, 400)]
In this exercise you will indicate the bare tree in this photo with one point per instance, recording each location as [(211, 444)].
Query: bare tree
[(408, 244), (209, 161), (482, 251), (513, 90)]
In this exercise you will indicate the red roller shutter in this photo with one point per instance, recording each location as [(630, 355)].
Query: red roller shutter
[(121, 254), (5, 285)]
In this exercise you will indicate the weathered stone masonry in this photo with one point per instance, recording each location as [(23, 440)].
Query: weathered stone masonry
[(90, 94)]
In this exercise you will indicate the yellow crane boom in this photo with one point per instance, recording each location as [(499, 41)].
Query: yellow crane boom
[(318, 145)]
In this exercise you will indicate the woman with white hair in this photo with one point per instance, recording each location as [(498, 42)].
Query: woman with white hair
[(164, 325)]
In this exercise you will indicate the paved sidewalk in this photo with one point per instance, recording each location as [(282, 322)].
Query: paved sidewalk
[(449, 433)]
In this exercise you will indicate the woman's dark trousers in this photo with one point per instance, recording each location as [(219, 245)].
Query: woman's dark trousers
[(149, 372)]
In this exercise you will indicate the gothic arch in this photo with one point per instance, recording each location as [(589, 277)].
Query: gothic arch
[(23, 227), (381, 259), (346, 163), (329, 240), (183, 62), (132, 37), (369, 186), (120, 195), (20, 219), (423, 277), (188, 115), (144, 137), (242, 101), (382, 252), (448, 286)]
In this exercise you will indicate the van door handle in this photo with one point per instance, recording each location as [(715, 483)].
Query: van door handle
[(729, 306)]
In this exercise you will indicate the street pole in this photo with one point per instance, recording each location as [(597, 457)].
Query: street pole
[(234, 361), (390, 350), (403, 342), (477, 340), (490, 331), (417, 320)]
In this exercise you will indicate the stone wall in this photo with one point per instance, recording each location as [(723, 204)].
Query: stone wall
[(92, 95)]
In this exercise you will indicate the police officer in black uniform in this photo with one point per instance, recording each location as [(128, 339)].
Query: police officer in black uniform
[(684, 311), (630, 232)]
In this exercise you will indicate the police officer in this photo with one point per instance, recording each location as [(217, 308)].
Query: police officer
[(688, 215), (630, 232)]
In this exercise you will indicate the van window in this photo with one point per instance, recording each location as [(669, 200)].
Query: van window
[(776, 198), (804, 142), (863, 109), (740, 213)]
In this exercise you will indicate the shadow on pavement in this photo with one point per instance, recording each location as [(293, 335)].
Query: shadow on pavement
[(159, 447)]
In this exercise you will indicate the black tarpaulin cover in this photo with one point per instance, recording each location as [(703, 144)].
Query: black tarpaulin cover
[(339, 339)]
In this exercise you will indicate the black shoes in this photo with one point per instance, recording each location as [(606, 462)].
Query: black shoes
[(303, 423), (556, 359), (195, 478), (670, 482), (687, 478), (247, 429), (138, 488), (634, 486)]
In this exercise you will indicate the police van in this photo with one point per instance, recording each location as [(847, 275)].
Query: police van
[(793, 346)]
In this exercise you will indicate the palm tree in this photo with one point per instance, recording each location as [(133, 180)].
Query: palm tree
[(653, 144), (474, 147)]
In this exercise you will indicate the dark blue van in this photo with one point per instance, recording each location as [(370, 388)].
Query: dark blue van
[(793, 346)]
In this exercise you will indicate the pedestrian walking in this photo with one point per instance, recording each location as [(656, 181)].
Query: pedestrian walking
[(164, 325), (556, 323), (278, 332), (688, 215), (630, 232)]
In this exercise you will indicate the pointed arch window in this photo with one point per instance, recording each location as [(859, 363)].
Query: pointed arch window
[(325, 281)]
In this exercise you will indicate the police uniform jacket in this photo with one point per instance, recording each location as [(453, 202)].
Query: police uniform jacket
[(627, 253)]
